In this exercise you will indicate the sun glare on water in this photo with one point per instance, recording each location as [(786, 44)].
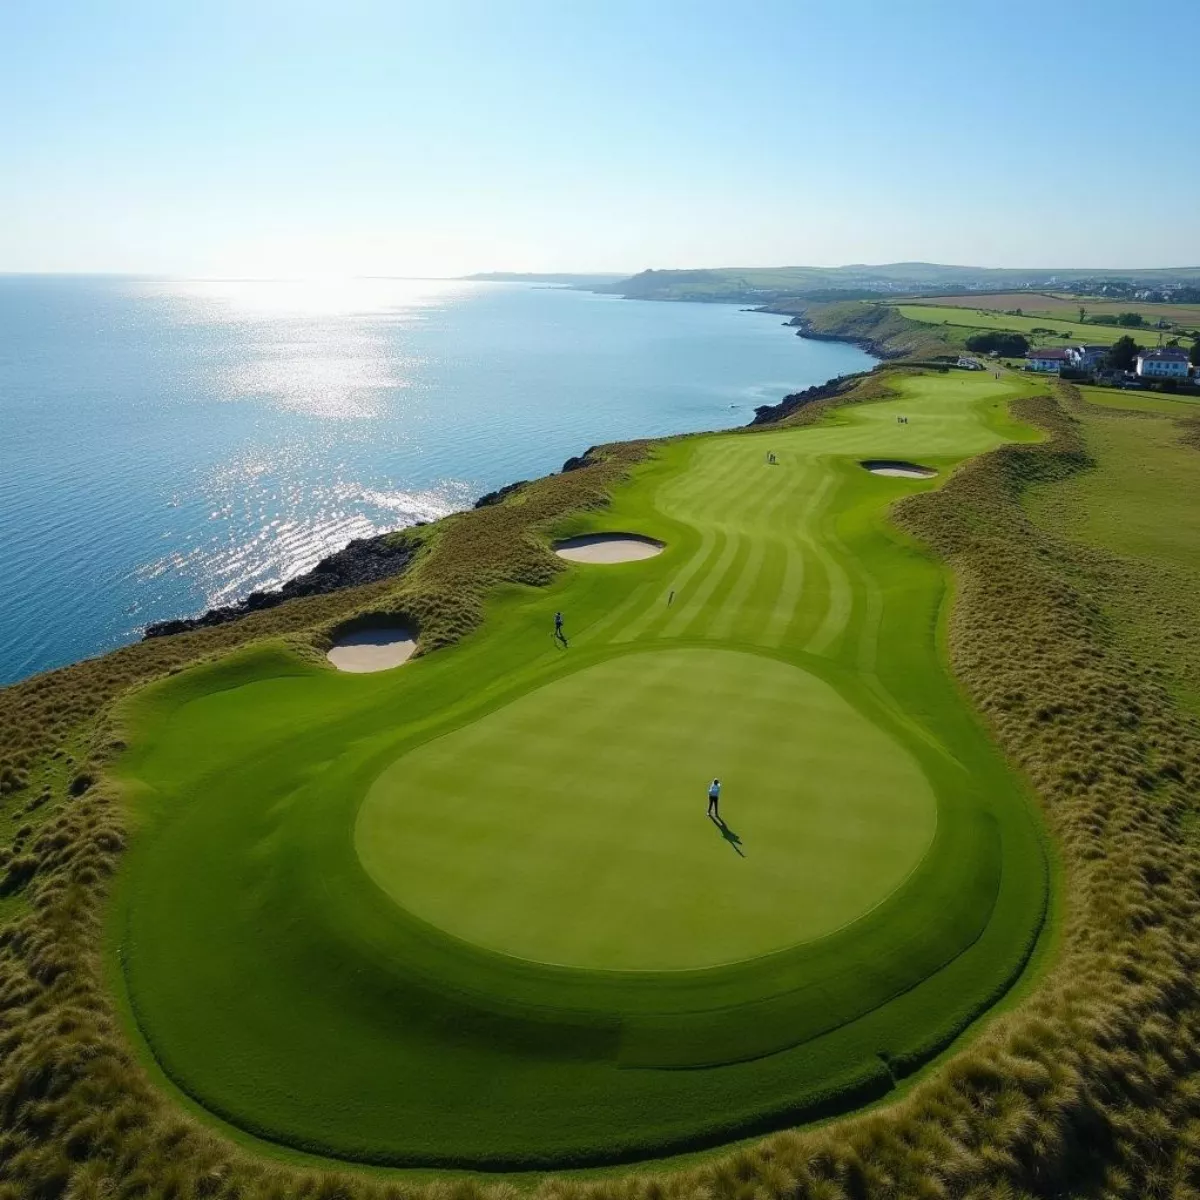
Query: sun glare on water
[(313, 296), (336, 360)]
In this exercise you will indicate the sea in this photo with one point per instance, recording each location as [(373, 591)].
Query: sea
[(167, 446)]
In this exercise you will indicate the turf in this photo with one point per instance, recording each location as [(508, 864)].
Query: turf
[(278, 984), (564, 827)]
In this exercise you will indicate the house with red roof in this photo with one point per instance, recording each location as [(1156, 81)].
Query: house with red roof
[(1051, 359)]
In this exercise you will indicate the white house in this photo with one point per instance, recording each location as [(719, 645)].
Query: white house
[(1169, 362), (1047, 358)]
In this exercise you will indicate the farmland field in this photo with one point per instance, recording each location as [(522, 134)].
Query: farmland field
[(1067, 332), (470, 912), (1066, 308)]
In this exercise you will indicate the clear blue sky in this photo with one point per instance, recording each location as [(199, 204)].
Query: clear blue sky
[(294, 136)]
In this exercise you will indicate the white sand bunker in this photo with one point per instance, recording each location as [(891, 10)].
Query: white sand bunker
[(374, 649), (607, 548), (898, 469)]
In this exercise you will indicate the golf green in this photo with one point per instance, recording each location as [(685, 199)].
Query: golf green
[(470, 912), (569, 827)]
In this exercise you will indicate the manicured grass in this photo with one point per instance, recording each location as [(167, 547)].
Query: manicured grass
[(554, 951), (569, 827)]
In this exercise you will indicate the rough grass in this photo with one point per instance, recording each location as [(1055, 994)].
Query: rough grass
[(1091, 1087)]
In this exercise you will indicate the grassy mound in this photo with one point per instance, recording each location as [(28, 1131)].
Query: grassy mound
[(786, 639)]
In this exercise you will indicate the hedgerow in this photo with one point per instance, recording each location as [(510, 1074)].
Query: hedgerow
[(1090, 1086)]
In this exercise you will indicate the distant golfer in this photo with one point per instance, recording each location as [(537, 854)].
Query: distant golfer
[(559, 636), (714, 800)]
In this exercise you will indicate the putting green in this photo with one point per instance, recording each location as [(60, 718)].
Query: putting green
[(569, 827), (470, 913)]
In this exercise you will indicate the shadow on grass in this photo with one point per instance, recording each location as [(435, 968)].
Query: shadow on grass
[(728, 834)]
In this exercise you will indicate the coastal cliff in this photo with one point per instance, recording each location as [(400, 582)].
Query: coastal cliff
[(877, 328)]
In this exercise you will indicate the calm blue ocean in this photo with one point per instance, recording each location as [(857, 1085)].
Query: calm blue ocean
[(169, 446)]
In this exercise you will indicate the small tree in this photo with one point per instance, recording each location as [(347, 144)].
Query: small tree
[(1082, 314), (1130, 320), (1123, 353)]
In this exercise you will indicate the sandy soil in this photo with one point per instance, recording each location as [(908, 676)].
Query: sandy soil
[(899, 470), (607, 548), (372, 649)]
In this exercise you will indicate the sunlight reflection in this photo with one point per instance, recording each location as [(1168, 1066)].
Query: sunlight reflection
[(318, 296)]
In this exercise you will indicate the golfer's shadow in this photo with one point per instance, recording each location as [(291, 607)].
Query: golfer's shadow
[(728, 834)]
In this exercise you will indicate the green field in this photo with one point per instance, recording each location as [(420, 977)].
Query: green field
[(1131, 400), (1066, 307), (1141, 501), (1068, 331), (470, 912), (1140, 509)]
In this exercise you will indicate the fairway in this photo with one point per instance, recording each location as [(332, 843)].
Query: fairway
[(470, 912), (569, 827)]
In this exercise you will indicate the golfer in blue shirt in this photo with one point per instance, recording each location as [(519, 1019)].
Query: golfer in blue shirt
[(714, 799)]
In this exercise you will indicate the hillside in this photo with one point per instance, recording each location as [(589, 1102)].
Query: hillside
[(767, 284), (880, 329)]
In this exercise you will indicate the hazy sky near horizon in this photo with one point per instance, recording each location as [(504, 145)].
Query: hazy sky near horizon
[(256, 137)]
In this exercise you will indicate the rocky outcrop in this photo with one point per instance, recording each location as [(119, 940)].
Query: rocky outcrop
[(586, 459), (365, 560), (769, 414), (500, 494)]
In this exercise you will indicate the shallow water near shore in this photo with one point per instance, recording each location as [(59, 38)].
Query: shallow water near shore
[(166, 447)]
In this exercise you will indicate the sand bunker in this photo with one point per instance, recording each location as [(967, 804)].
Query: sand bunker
[(898, 468), (373, 649), (607, 548)]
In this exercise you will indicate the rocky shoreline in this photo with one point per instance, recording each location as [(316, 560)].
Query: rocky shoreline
[(364, 560), (804, 328), (771, 414)]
